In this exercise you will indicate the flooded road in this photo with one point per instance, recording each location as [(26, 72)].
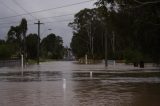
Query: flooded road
[(70, 84)]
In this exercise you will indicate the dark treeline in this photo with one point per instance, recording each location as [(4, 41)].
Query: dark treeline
[(132, 28), (88, 34), (52, 47), (17, 43)]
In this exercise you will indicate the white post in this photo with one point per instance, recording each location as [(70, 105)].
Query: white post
[(64, 84), (114, 62), (91, 74), (64, 92), (86, 59)]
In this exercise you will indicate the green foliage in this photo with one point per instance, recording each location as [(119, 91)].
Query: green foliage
[(16, 36), (52, 47), (79, 46), (31, 44), (88, 34), (23, 27), (132, 56), (136, 24), (2, 42), (5, 51)]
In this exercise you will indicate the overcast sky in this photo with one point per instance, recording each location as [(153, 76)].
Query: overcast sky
[(12, 11)]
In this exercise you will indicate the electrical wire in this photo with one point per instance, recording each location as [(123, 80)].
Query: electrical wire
[(15, 2), (58, 21), (4, 4), (1, 27), (64, 6), (8, 7), (41, 18)]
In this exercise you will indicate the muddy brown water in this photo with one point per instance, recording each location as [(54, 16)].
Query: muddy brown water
[(69, 84)]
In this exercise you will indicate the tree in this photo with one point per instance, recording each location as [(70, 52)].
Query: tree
[(5, 51), (2, 42), (79, 46), (31, 46), (23, 28), (16, 36), (136, 24), (88, 34), (15, 39), (52, 47)]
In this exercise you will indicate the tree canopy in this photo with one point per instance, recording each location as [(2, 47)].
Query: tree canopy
[(16, 36), (132, 28), (18, 43), (52, 47), (136, 24), (88, 32), (31, 46)]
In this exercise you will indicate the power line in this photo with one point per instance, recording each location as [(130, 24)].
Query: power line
[(58, 16), (41, 18), (2, 27), (23, 8), (59, 21), (69, 5), (9, 7)]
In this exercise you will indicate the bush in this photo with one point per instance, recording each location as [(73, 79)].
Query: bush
[(133, 56), (5, 51)]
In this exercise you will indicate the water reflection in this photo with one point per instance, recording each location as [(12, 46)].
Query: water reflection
[(68, 84)]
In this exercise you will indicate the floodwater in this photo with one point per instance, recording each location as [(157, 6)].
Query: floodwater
[(69, 84)]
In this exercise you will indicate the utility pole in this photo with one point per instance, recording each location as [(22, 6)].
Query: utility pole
[(106, 59), (38, 45), (24, 50), (114, 58), (114, 44)]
